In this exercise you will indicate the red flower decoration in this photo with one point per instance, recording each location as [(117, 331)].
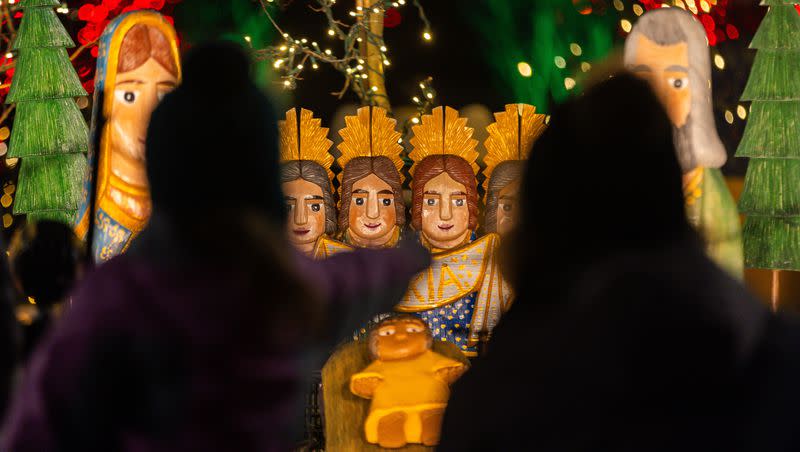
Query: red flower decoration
[(797, 7), (85, 12), (392, 18)]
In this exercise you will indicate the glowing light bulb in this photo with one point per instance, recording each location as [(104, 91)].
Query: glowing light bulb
[(626, 25), (719, 62), (427, 36), (575, 49), (331, 32), (277, 64), (728, 117), (415, 120), (248, 39), (569, 83), (741, 112), (374, 89), (560, 62), (524, 69)]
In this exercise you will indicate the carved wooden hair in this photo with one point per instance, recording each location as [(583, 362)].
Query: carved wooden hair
[(141, 43)]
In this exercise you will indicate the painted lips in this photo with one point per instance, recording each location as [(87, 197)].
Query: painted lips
[(372, 225), (301, 231), (445, 227)]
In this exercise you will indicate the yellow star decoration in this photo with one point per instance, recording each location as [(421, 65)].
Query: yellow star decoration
[(370, 133), (511, 136), (304, 138), (440, 133)]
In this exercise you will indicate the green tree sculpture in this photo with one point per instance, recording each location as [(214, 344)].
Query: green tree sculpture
[(50, 136), (771, 198)]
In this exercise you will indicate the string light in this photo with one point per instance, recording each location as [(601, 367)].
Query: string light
[(637, 9), (719, 62), (427, 36), (618, 5), (277, 64), (560, 62), (524, 69), (575, 49), (728, 117), (626, 25), (331, 32), (586, 67), (415, 120), (248, 39), (741, 112), (569, 83)]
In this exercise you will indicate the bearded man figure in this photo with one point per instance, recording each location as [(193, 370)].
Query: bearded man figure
[(669, 49)]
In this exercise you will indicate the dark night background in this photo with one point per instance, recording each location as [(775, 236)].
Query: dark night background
[(456, 58)]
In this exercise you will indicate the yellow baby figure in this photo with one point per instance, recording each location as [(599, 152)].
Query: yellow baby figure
[(408, 382)]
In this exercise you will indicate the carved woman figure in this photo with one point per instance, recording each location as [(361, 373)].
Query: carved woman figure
[(510, 139), (461, 294), (372, 212), (138, 64), (306, 179)]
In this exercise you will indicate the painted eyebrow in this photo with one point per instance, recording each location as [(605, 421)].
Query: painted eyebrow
[(128, 82), (678, 68), (169, 83), (641, 68), (508, 197), (315, 197), (432, 192), (385, 192), (458, 193), (290, 198), (360, 192)]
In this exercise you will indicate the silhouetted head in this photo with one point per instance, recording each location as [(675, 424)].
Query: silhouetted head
[(212, 143), (46, 259), (603, 178)]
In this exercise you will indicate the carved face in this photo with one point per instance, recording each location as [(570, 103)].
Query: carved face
[(445, 214), (305, 220), (666, 68), (399, 339), (507, 207), (135, 96), (372, 215)]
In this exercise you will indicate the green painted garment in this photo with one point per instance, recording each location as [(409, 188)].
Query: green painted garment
[(713, 212)]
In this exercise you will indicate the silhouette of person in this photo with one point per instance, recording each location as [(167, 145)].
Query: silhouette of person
[(195, 338), (624, 335)]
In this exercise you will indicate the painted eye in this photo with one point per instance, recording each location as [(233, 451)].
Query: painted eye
[(679, 83), (413, 329), (431, 202), (387, 202), (459, 202), (289, 207), (386, 332), (315, 207), (127, 97), (359, 201), (507, 207)]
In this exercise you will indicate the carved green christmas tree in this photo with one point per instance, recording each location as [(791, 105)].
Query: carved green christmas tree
[(771, 198), (49, 135)]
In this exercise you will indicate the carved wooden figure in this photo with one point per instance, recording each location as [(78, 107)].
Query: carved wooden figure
[(461, 295), (668, 48), (138, 64), (306, 179), (510, 139), (371, 208), (408, 383)]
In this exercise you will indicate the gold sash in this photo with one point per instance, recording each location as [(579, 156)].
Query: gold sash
[(455, 274)]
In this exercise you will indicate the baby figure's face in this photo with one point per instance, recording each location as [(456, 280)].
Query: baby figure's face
[(397, 339)]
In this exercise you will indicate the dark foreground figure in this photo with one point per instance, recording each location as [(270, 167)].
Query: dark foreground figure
[(624, 335), (199, 338)]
